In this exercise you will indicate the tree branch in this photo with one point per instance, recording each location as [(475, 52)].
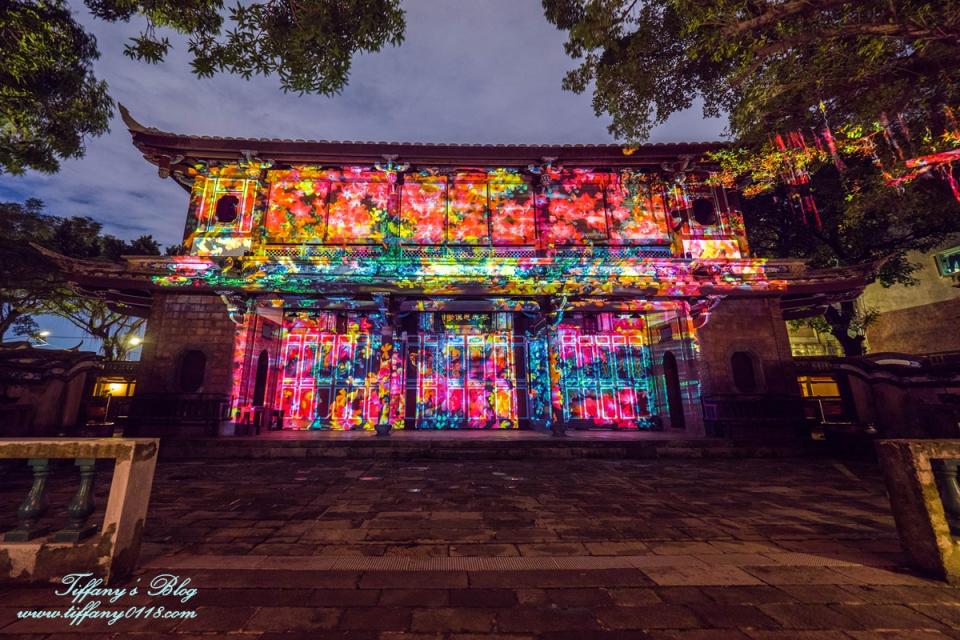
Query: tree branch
[(778, 12), (761, 55)]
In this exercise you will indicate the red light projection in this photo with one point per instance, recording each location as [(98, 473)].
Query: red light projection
[(469, 207), (605, 369), (297, 208), (576, 207), (359, 206), (309, 205), (587, 207)]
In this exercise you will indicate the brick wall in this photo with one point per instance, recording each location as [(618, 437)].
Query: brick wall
[(927, 328), (179, 323), (757, 327)]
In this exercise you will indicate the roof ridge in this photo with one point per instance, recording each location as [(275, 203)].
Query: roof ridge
[(134, 126)]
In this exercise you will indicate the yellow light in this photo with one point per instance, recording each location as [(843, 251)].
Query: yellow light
[(135, 340), (44, 333), (115, 386)]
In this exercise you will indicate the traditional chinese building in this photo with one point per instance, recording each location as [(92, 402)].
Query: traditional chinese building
[(345, 285)]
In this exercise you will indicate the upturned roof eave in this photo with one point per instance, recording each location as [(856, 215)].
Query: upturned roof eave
[(157, 145)]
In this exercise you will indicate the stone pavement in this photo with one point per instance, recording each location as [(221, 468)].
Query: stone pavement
[(685, 549)]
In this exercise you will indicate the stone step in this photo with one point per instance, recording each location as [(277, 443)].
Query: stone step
[(395, 448)]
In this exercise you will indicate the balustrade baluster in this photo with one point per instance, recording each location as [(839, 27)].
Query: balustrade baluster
[(34, 505), (945, 472), (81, 506)]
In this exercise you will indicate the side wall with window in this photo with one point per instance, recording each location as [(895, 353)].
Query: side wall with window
[(745, 350), (180, 330), (924, 318)]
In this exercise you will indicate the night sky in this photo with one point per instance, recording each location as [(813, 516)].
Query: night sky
[(468, 72)]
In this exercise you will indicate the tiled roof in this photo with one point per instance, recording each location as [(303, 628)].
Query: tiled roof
[(136, 127), (156, 144)]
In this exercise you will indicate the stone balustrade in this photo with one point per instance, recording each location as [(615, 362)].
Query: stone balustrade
[(921, 478), (32, 553)]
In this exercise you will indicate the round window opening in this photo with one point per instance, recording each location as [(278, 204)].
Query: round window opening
[(704, 212), (227, 208)]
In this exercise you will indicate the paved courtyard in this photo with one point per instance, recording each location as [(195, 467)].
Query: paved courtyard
[(680, 549)]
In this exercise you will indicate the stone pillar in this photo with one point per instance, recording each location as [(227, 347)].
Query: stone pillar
[(180, 323), (260, 332), (753, 328)]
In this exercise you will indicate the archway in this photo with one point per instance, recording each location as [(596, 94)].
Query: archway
[(671, 373), (260, 384)]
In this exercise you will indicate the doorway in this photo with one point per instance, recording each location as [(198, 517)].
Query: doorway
[(671, 374)]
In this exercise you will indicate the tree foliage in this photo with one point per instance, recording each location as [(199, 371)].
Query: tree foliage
[(51, 99), (114, 328), (31, 284), (801, 67), (861, 221), (768, 65)]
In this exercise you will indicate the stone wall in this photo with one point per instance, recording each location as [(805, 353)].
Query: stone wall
[(902, 398), (918, 319), (179, 323), (261, 335), (928, 328), (43, 389), (755, 326)]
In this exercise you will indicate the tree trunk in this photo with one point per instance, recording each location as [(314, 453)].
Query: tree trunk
[(840, 320), (7, 322)]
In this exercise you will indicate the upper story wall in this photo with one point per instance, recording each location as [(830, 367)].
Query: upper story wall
[(258, 208)]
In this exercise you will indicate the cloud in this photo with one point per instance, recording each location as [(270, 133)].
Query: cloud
[(483, 72)]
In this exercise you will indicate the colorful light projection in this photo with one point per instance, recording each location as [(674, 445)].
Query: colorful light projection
[(462, 380), (706, 224), (355, 205), (467, 207), (328, 206), (331, 377), (222, 210), (593, 207), (473, 207), (464, 373), (605, 370), (297, 206), (673, 335), (591, 274)]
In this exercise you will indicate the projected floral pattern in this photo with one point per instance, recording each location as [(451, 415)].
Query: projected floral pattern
[(297, 206), (587, 207), (576, 230), (467, 208), (605, 369)]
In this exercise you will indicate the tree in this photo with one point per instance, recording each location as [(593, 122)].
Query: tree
[(31, 284), (27, 279), (114, 328), (769, 66), (880, 75), (861, 221), (51, 99)]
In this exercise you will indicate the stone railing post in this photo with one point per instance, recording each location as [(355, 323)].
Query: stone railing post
[(81, 506), (923, 494), (34, 506), (945, 472), (108, 550)]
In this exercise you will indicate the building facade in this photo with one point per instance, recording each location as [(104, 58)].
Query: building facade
[(329, 285), (912, 319)]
